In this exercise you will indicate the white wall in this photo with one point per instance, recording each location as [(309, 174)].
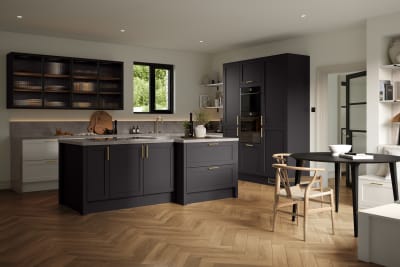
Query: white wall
[(333, 109), (338, 47), (190, 68)]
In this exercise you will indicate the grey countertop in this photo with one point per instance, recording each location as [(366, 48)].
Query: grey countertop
[(138, 139)]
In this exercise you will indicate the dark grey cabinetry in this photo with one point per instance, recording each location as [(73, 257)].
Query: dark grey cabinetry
[(284, 81), (205, 171), (97, 178), (252, 73), (232, 99), (125, 170), (251, 159), (158, 168)]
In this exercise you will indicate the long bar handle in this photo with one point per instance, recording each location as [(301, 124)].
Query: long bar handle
[(147, 151), (249, 145), (249, 81), (237, 126), (142, 151), (108, 152), (213, 168), (376, 184)]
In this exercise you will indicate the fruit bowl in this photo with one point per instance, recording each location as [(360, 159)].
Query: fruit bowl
[(339, 149)]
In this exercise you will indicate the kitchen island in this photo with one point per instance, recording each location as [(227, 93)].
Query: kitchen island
[(106, 173)]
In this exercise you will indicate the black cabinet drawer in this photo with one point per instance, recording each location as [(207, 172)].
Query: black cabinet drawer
[(210, 178), (204, 154)]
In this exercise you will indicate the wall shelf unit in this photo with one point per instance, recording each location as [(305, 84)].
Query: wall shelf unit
[(55, 82), (207, 102)]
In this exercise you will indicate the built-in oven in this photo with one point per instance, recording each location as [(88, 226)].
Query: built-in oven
[(250, 127)]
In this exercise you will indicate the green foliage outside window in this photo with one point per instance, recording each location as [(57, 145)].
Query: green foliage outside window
[(142, 87)]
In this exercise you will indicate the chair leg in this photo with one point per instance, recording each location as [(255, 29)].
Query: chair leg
[(274, 216), (332, 210), (305, 219)]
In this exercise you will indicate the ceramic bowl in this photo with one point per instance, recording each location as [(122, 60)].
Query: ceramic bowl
[(339, 149)]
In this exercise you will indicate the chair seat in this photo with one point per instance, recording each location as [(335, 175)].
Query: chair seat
[(298, 192)]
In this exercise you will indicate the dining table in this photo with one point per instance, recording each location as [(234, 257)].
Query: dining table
[(354, 171)]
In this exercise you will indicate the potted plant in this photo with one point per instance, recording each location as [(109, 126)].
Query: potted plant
[(201, 120), (186, 127)]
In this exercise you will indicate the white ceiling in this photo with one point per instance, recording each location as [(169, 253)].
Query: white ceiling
[(181, 24)]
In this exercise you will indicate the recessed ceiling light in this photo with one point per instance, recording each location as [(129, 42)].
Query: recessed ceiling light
[(303, 16), (201, 41), (122, 30), (19, 17)]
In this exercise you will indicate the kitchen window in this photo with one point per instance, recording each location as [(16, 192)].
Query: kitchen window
[(152, 88)]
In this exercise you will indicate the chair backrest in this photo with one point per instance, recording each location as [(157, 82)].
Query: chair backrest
[(282, 179), (281, 158)]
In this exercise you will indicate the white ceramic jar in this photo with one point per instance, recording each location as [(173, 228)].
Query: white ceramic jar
[(200, 131)]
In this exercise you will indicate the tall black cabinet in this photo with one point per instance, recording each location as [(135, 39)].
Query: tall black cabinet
[(284, 84)]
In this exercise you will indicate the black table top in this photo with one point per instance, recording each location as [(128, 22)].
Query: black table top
[(327, 157)]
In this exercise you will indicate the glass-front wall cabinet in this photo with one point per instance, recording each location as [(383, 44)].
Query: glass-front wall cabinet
[(54, 82)]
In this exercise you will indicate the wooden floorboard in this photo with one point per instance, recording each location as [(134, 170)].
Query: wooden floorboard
[(36, 231)]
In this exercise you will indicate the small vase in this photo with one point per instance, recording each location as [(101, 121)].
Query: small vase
[(394, 51), (200, 131)]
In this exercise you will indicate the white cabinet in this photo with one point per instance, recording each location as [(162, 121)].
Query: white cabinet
[(37, 164), (374, 191)]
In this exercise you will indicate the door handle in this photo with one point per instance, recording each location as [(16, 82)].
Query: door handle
[(237, 126), (249, 81), (142, 151), (147, 151), (249, 145), (108, 152), (213, 144), (213, 168)]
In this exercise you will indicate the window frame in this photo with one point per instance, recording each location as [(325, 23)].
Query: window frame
[(152, 89)]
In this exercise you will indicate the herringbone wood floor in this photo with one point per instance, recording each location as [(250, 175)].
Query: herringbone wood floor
[(35, 231)]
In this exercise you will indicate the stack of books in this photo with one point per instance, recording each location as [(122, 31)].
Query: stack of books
[(357, 156)]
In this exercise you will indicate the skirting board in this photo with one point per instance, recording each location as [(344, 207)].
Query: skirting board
[(5, 185)]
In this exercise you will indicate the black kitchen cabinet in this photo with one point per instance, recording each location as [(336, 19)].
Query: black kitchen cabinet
[(125, 170), (252, 73), (98, 178), (232, 99), (101, 177), (285, 84), (205, 171), (56, 82), (251, 159), (158, 163)]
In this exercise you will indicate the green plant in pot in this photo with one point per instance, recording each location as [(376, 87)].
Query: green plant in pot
[(186, 127), (201, 121)]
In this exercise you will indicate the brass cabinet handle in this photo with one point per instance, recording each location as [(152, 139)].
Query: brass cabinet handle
[(142, 151), (108, 152), (213, 144), (376, 184), (261, 121), (249, 145), (261, 132), (213, 168), (147, 151)]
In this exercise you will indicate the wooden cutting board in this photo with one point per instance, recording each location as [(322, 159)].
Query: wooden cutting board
[(99, 122)]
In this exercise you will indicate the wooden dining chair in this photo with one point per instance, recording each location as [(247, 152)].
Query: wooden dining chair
[(282, 158), (287, 195)]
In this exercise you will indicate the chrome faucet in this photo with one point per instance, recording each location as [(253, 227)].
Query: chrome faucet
[(157, 122)]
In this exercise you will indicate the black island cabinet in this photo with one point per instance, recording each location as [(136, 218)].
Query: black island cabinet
[(106, 177)]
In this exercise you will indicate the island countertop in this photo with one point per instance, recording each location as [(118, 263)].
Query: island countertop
[(141, 139)]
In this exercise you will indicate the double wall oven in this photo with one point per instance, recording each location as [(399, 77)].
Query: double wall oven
[(250, 123)]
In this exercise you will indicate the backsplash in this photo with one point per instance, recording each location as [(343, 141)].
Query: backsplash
[(48, 128)]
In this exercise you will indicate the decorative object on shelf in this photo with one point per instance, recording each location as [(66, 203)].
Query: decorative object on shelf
[(339, 149), (394, 51), (396, 119), (204, 100)]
